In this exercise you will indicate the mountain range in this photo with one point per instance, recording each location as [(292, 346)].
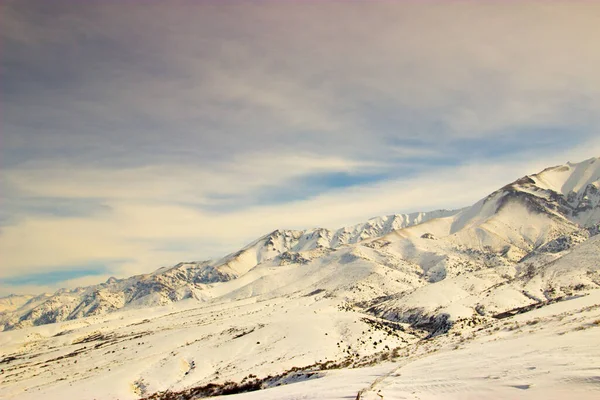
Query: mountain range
[(531, 243), (535, 218)]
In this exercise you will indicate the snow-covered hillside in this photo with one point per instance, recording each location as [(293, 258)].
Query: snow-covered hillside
[(360, 311), (192, 279), (12, 302)]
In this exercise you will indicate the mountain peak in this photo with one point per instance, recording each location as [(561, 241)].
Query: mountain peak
[(570, 177), (507, 225)]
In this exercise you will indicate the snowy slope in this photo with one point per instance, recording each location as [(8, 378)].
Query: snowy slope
[(309, 338), (525, 232), (491, 291), (303, 306), (547, 354), (280, 242), (506, 226), (188, 280), (13, 302)]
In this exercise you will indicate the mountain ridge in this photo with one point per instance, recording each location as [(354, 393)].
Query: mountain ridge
[(503, 228), (161, 286), (514, 278)]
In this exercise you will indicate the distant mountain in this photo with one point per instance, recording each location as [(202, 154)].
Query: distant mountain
[(12, 302), (408, 268), (189, 279)]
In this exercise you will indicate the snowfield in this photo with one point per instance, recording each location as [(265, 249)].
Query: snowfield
[(497, 300), (549, 353)]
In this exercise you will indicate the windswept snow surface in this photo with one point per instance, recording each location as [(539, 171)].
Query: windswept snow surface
[(497, 300), (546, 354)]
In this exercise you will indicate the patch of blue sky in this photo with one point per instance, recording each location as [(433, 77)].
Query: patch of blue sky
[(58, 275), (298, 189), (338, 180), (56, 207), (512, 142)]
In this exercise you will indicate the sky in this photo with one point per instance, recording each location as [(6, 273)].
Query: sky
[(138, 134)]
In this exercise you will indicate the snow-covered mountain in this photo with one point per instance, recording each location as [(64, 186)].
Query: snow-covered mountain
[(13, 301), (190, 279), (514, 222), (320, 298)]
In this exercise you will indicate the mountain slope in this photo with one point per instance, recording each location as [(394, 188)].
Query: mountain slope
[(514, 223), (191, 279), (13, 302), (293, 305)]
